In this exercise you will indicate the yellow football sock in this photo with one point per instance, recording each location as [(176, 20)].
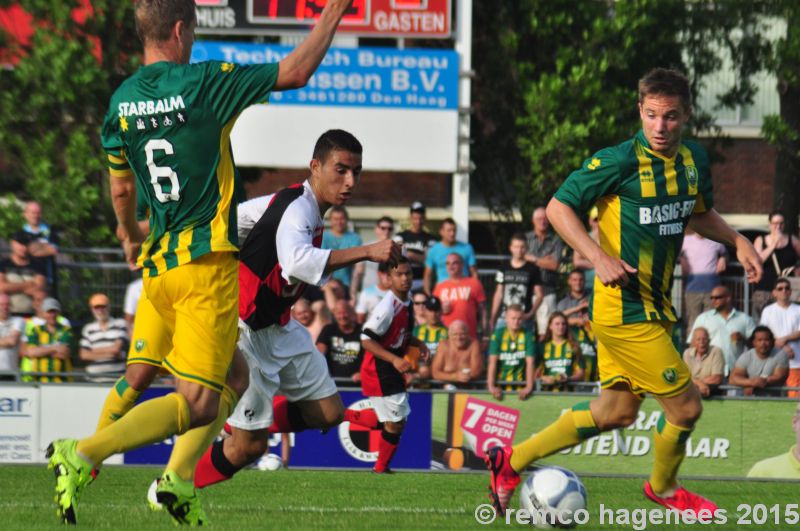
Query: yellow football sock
[(119, 401), (669, 442), (147, 423), (191, 446), (572, 427)]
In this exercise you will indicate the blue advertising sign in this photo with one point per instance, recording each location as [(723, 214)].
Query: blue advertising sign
[(360, 77), (346, 446)]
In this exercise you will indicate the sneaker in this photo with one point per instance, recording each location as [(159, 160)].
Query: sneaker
[(152, 499), (180, 499), (72, 474), (682, 500), (503, 478)]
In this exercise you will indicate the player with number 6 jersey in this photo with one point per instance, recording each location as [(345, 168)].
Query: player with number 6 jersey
[(168, 129)]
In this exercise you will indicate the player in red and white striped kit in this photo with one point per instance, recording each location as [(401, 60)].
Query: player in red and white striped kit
[(385, 336), (280, 256)]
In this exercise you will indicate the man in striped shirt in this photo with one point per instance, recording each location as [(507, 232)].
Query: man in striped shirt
[(104, 341)]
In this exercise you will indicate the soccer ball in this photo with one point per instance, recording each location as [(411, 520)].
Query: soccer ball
[(269, 462), (552, 495)]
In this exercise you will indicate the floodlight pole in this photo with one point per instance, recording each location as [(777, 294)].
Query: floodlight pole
[(460, 189)]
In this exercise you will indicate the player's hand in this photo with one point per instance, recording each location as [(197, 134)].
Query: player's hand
[(401, 365), (424, 353), (613, 272), (748, 257), (131, 253), (385, 251)]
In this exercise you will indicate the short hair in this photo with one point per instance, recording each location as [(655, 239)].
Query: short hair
[(762, 328), (397, 263), (782, 280), (384, 219), (336, 140), (578, 272), (515, 308), (460, 258), (519, 236), (156, 18), (383, 267), (666, 82), (341, 210), (449, 221)]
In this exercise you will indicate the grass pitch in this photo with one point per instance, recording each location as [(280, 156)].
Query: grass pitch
[(300, 499)]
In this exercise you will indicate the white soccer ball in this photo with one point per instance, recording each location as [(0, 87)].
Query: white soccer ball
[(269, 462), (552, 495)]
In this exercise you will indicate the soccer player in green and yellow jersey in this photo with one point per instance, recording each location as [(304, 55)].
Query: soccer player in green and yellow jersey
[(168, 127), (648, 190), (512, 353)]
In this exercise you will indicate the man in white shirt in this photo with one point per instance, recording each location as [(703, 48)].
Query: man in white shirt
[(727, 327), (783, 318)]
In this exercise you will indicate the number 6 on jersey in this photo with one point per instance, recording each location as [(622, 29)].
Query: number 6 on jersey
[(157, 172)]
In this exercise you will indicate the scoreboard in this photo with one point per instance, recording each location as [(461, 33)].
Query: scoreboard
[(390, 18)]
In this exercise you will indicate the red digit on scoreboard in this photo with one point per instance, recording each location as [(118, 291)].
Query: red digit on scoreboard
[(409, 4)]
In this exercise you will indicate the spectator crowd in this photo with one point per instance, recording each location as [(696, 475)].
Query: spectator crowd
[(531, 332)]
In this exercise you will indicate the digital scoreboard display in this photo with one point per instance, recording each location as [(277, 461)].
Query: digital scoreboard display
[(305, 12)]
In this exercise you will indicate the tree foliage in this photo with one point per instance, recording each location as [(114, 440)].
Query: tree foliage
[(52, 102), (557, 80)]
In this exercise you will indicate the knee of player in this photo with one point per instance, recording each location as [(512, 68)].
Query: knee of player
[(394, 427), (334, 418), (140, 375), (689, 414)]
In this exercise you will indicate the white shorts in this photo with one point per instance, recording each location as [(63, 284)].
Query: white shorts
[(392, 408), (282, 360)]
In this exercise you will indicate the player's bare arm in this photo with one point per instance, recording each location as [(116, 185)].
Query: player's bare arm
[(381, 353), (612, 272), (123, 198), (297, 68), (382, 251), (710, 225)]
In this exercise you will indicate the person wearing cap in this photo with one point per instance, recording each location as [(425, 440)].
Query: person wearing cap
[(416, 241), (432, 333), (46, 346), (104, 341), (20, 276)]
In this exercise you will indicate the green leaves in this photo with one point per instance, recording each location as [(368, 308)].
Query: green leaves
[(53, 102)]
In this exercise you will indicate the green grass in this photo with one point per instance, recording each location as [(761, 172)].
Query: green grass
[(296, 499)]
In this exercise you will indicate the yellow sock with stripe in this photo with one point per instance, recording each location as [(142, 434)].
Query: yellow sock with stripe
[(669, 445), (149, 422), (572, 427), (191, 446), (119, 401)]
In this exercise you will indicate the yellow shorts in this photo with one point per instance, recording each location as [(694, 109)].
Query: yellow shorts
[(643, 356), (199, 305), (151, 340)]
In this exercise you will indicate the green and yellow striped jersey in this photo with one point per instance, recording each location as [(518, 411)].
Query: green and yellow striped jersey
[(169, 124), (644, 202), (559, 358), (37, 334), (511, 351), (588, 344), (431, 335)]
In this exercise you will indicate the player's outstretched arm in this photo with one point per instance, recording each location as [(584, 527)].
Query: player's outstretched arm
[(611, 271), (709, 224), (382, 251), (297, 68)]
